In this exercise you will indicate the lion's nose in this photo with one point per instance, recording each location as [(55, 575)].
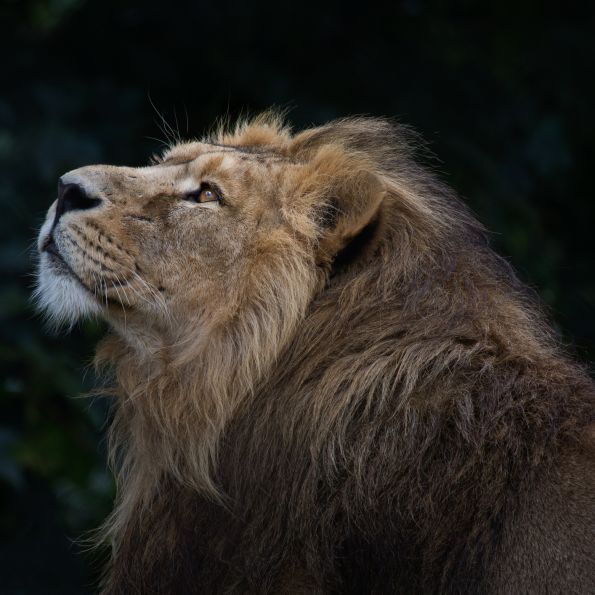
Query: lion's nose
[(72, 197)]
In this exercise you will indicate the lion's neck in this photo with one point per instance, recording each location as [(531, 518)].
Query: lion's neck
[(177, 394)]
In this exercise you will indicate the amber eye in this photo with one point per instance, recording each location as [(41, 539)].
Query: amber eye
[(205, 193)]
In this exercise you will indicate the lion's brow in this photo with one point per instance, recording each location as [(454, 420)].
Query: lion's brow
[(245, 152), (258, 153)]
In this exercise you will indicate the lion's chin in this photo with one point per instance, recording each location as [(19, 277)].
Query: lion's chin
[(60, 296)]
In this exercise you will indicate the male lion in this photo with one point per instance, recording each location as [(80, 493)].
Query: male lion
[(326, 381)]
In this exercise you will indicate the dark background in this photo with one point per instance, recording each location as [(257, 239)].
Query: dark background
[(505, 100)]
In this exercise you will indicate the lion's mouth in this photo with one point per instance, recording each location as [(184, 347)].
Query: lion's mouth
[(49, 247), (61, 266), (59, 263)]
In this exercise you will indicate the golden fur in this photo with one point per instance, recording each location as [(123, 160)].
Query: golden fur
[(335, 339)]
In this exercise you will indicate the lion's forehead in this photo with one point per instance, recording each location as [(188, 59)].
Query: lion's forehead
[(235, 166)]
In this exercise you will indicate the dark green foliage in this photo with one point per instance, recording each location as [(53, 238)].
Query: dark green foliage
[(505, 101)]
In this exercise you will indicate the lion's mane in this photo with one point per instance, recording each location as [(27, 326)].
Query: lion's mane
[(376, 428)]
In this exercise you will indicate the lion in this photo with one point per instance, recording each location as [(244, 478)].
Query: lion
[(325, 380)]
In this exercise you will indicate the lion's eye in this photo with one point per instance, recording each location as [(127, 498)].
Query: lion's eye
[(204, 194)]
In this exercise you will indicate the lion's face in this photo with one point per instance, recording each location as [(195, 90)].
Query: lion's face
[(179, 236)]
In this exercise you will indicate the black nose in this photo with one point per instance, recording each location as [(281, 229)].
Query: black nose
[(72, 197)]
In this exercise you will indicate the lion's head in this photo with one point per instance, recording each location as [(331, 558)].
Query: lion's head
[(210, 230)]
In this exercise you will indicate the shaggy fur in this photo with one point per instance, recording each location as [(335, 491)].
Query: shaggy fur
[(327, 383)]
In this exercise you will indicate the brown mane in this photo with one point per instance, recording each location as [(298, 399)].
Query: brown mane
[(384, 410)]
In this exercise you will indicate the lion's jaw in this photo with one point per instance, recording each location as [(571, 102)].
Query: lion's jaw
[(59, 293)]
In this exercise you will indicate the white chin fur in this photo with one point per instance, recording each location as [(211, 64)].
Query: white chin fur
[(61, 297)]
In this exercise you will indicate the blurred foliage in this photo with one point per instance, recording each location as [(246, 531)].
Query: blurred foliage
[(505, 99)]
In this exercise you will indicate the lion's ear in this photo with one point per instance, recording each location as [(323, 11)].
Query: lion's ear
[(351, 198), (349, 214), (345, 189)]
